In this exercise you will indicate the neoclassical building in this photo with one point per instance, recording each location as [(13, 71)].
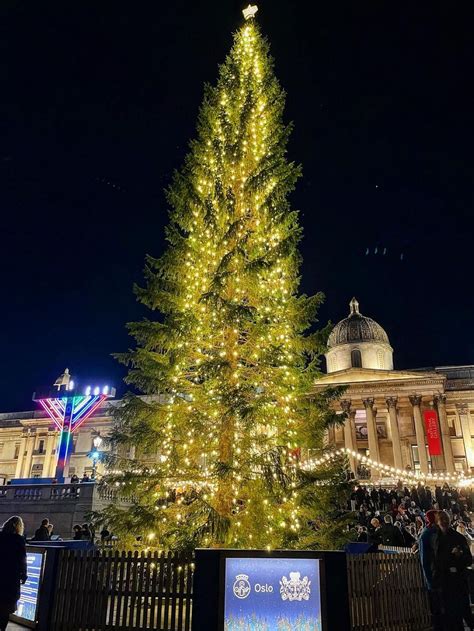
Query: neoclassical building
[(388, 410), (29, 441)]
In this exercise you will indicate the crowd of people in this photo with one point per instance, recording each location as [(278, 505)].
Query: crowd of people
[(84, 532), (434, 523), (45, 532), (75, 479), (396, 517)]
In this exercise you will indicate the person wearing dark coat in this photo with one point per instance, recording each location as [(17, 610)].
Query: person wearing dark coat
[(390, 534), (77, 532), (42, 533), (439, 496), (427, 560), (421, 492), (451, 558), (429, 500), (13, 567), (374, 532), (408, 539)]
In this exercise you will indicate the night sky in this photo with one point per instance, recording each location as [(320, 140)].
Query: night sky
[(99, 101)]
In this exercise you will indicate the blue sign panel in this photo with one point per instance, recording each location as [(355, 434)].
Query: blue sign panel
[(272, 594), (29, 591)]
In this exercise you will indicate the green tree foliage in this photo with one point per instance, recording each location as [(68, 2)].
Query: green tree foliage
[(228, 364)]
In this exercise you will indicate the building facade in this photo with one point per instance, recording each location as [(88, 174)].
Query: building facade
[(386, 408)]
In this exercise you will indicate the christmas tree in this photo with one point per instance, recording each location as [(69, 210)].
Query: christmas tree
[(228, 360)]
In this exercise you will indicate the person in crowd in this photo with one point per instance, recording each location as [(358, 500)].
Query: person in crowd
[(77, 530), (360, 495), (419, 525), (86, 532), (42, 533), (374, 496), (13, 567), (462, 529), (104, 535), (85, 478), (374, 534), (422, 497), (439, 496), (390, 535), (74, 479), (408, 539), (353, 500), (451, 558), (50, 530), (425, 547), (362, 518)]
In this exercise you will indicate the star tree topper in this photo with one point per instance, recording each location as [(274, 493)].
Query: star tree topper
[(250, 11)]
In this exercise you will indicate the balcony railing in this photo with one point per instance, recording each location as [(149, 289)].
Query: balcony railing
[(29, 493)]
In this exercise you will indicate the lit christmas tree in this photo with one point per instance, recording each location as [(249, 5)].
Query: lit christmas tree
[(230, 362)]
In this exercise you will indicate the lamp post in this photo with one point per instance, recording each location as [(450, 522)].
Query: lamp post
[(97, 442)]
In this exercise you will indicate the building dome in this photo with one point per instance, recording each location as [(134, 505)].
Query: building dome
[(356, 328), (358, 342)]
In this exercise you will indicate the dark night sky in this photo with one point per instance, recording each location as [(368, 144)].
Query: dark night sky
[(99, 101)]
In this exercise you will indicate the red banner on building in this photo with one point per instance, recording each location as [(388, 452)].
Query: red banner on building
[(432, 432)]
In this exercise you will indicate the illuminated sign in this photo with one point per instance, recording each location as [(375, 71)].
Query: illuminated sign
[(28, 603), (272, 594)]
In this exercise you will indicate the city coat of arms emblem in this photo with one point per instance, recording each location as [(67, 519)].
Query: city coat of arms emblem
[(241, 586), (295, 587)]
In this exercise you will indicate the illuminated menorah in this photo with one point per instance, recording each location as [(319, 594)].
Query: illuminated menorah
[(69, 409)]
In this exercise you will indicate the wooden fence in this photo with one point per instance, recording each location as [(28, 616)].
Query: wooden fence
[(101, 591), (386, 593), (105, 590)]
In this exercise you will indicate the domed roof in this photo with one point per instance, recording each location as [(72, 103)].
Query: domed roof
[(356, 328)]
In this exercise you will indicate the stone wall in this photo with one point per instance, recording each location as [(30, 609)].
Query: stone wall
[(63, 504)]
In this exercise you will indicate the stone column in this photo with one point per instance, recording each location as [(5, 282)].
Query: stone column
[(462, 410), (370, 413), (353, 428), (415, 400), (440, 402), (348, 435), (395, 434), (21, 456), (48, 458), (331, 435), (30, 445)]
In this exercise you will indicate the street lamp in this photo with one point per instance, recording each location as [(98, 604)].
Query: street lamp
[(97, 442)]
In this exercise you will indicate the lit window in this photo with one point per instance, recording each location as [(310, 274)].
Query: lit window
[(356, 358)]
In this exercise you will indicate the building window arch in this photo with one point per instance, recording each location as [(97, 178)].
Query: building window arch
[(356, 358)]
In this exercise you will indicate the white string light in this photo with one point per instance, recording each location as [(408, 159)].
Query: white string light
[(400, 474)]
